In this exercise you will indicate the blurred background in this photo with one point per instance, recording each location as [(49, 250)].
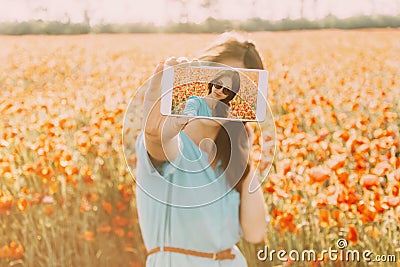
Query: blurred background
[(132, 16)]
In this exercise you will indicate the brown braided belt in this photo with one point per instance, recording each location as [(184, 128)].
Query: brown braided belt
[(222, 255)]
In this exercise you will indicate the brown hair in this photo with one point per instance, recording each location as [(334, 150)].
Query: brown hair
[(222, 107), (232, 45), (234, 156)]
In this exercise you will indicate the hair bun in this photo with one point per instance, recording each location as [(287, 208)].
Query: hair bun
[(250, 44)]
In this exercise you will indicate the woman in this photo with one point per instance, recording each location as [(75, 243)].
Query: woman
[(188, 214), (221, 90)]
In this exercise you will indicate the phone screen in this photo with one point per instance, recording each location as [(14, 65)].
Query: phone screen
[(215, 92)]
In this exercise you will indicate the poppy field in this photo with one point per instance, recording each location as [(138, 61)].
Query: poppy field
[(67, 197)]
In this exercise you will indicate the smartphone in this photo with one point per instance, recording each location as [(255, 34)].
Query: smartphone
[(218, 92)]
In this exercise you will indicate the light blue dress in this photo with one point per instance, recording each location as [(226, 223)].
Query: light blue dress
[(196, 106), (186, 204)]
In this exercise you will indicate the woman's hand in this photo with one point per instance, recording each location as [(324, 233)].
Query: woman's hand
[(160, 131)]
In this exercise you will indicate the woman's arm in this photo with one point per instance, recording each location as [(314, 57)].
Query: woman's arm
[(191, 107), (253, 210), (161, 132)]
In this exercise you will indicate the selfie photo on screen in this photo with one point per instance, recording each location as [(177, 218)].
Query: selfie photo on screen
[(214, 92)]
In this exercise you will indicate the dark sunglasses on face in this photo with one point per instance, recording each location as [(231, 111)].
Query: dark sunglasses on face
[(218, 86)]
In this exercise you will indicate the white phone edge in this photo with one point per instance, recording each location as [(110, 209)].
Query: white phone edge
[(262, 91), (167, 83)]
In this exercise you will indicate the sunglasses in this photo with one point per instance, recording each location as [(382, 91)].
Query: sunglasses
[(218, 86)]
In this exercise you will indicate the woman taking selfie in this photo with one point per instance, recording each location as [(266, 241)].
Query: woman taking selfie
[(193, 177), (221, 90)]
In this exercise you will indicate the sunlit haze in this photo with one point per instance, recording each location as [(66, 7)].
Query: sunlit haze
[(163, 11)]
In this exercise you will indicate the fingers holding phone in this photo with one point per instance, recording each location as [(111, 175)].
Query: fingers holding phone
[(152, 97), (160, 129)]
